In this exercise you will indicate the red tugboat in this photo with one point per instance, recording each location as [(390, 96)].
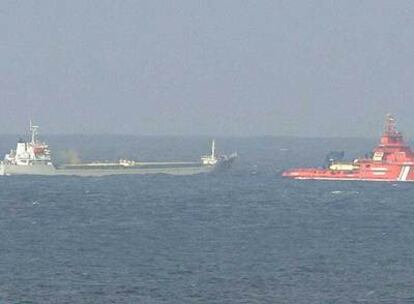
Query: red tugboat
[(392, 160)]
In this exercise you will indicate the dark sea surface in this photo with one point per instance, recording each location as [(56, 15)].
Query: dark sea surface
[(242, 236)]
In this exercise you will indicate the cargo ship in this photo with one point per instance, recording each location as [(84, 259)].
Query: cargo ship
[(34, 157), (392, 160)]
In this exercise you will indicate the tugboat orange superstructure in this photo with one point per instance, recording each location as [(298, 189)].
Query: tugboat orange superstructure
[(392, 160)]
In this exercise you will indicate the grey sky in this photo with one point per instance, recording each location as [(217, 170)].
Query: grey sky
[(305, 68)]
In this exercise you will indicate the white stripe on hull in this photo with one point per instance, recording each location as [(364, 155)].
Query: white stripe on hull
[(350, 179), (405, 170)]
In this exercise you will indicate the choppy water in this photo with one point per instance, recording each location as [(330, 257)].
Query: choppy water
[(245, 236)]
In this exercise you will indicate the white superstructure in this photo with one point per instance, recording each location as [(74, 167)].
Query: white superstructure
[(30, 153), (210, 159)]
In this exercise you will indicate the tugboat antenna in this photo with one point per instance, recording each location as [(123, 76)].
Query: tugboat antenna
[(390, 124)]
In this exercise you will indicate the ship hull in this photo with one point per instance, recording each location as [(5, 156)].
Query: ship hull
[(134, 171), (51, 171), (170, 168), (369, 172), (8, 169)]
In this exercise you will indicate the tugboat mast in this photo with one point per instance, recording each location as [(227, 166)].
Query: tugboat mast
[(390, 127)]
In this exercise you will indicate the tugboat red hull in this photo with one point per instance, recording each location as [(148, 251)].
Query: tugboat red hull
[(376, 172), (392, 161)]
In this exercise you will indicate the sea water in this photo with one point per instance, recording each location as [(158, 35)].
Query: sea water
[(242, 236)]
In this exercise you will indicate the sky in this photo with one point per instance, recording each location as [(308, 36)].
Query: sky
[(214, 67)]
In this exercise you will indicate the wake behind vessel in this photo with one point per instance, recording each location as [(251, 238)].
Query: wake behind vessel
[(391, 160), (35, 158)]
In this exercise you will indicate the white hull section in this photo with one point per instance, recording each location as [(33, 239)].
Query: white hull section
[(52, 171)]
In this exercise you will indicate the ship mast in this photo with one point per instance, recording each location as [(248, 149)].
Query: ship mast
[(390, 125), (33, 129)]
